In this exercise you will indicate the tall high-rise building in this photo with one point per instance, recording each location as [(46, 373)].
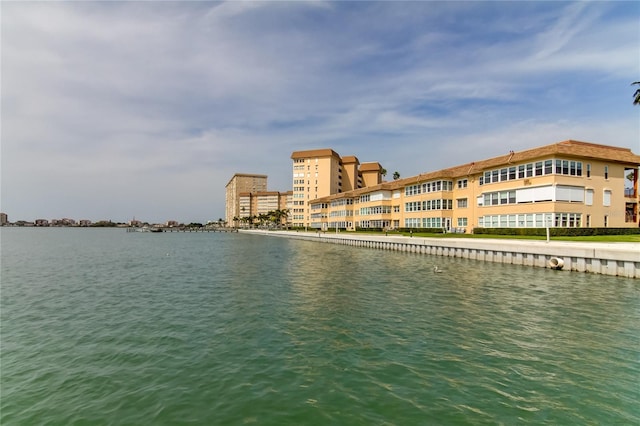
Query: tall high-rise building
[(241, 183), (322, 172)]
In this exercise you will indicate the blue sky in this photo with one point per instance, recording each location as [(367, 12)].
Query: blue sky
[(112, 110)]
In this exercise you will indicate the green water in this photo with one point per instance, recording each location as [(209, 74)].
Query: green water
[(104, 327)]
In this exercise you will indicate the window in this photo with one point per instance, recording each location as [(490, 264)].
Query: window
[(521, 171), (415, 206), (462, 221), (606, 221), (606, 172), (539, 168), (574, 194), (606, 198), (529, 170), (462, 183), (548, 167), (412, 190), (503, 197), (588, 200), (462, 203), (588, 170)]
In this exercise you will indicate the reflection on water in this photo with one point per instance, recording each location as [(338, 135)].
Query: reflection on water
[(228, 329)]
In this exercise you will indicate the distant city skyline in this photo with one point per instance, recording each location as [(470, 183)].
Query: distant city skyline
[(115, 110)]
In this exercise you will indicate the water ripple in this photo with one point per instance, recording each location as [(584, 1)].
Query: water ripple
[(105, 327)]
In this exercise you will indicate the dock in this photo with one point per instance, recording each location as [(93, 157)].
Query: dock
[(168, 229)]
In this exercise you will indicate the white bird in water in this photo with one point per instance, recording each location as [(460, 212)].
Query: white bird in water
[(437, 270)]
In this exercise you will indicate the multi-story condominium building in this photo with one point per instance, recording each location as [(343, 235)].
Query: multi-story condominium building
[(260, 203), (4, 219), (241, 183), (63, 222), (566, 184), (322, 172)]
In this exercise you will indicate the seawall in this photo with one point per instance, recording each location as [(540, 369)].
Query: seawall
[(619, 259)]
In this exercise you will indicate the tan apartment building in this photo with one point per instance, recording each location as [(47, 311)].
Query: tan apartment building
[(258, 203), (322, 172), (566, 184), (241, 183)]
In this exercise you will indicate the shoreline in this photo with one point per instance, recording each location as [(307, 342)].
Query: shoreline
[(617, 259)]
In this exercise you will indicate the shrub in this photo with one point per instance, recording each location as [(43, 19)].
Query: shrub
[(557, 232)]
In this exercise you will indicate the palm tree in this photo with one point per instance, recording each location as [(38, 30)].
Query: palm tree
[(285, 215), (396, 175), (636, 96), (277, 215)]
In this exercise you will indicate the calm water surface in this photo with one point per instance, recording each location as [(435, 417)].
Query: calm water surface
[(100, 326)]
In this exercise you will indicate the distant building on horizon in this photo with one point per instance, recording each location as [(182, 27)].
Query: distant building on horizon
[(4, 219)]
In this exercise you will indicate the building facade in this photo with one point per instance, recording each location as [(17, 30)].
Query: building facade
[(241, 183), (566, 184), (253, 205), (322, 172)]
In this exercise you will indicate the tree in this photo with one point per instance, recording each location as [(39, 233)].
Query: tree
[(278, 215), (383, 171), (396, 175), (636, 96)]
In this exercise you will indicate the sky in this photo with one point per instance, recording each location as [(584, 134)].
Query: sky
[(116, 110)]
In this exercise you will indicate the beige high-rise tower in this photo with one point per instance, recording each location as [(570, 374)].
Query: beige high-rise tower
[(241, 183), (322, 172)]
